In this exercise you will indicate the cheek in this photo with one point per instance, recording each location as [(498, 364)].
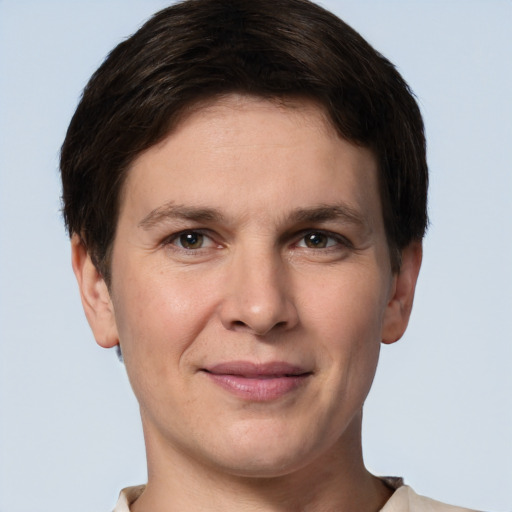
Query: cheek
[(348, 306), (347, 314), (158, 319)]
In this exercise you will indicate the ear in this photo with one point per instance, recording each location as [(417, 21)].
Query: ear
[(398, 311), (95, 296)]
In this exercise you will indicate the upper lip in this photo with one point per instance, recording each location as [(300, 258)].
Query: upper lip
[(254, 370)]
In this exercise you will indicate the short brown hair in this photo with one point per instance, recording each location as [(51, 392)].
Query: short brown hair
[(198, 49)]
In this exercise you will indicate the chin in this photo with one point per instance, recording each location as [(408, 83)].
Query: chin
[(264, 466), (266, 453)]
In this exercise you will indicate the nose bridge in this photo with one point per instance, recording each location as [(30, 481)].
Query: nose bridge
[(257, 296)]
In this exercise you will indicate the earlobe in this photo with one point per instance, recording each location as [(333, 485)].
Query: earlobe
[(399, 307), (95, 296)]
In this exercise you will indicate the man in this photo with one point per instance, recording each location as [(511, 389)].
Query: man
[(245, 187)]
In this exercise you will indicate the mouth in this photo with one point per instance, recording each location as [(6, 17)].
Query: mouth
[(258, 382)]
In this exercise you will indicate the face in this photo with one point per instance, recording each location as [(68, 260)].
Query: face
[(251, 287)]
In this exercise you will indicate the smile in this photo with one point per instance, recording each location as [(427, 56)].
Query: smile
[(257, 382)]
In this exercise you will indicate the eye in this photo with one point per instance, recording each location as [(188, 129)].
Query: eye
[(318, 240), (191, 240), (324, 240)]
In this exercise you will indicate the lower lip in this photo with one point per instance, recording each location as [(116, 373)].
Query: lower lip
[(258, 389)]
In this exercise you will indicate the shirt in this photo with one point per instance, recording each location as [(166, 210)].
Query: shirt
[(404, 499)]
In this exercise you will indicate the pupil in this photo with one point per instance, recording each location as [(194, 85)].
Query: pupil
[(191, 240), (316, 240)]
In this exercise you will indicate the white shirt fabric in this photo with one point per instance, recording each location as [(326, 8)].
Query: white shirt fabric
[(404, 499)]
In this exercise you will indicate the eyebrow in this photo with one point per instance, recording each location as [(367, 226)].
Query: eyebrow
[(177, 211), (316, 214), (324, 213)]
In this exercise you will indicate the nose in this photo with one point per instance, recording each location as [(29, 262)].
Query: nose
[(258, 295)]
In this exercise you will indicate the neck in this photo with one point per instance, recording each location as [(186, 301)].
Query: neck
[(335, 481)]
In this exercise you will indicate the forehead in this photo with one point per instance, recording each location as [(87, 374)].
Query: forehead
[(252, 154)]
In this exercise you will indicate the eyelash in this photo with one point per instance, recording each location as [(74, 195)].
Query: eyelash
[(176, 237), (338, 239)]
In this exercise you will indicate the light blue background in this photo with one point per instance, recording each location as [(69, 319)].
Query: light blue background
[(440, 413)]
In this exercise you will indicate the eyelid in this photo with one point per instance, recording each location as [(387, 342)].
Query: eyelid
[(296, 238), (340, 239), (170, 239)]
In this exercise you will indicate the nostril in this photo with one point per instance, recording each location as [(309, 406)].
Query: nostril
[(258, 329), (259, 315)]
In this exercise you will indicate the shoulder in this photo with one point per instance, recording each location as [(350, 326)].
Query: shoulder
[(127, 496), (404, 499)]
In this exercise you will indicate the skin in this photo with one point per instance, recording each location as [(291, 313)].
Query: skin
[(252, 233)]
